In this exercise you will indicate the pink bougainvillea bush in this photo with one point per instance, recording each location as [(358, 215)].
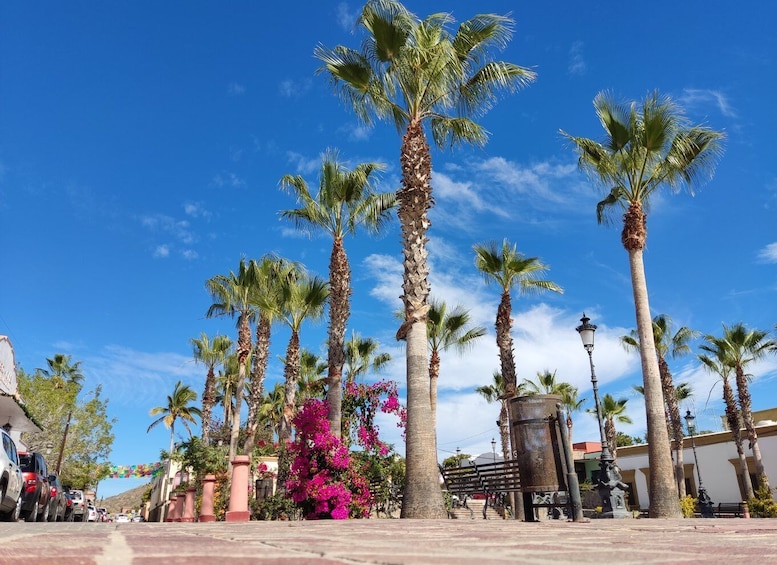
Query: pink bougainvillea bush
[(323, 480)]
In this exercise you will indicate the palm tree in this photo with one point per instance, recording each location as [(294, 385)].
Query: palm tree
[(506, 267), (226, 382), (447, 330), (361, 356), (65, 375), (210, 353), (266, 297), (232, 297), (312, 382), (271, 410), (719, 363), (743, 346), (496, 392), (546, 383), (303, 297), (676, 345), (415, 73), (345, 202), (571, 403), (612, 411), (178, 408), (645, 149)]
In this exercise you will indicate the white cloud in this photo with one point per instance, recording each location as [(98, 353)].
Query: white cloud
[(577, 64), (694, 97), (294, 88), (177, 228), (196, 210), (189, 254), (226, 179), (236, 89), (345, 18), (302, 164), (162, 251), (769, 253)]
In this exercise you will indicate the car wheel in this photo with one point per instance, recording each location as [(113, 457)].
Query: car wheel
[(33, 514), (12, 515)]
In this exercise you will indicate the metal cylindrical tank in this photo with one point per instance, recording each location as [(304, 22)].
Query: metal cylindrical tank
[(538, 449)]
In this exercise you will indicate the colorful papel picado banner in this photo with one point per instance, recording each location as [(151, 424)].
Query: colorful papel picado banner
[(135, 471)]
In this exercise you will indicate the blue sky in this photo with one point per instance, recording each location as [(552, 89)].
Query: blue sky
[(141, 146)]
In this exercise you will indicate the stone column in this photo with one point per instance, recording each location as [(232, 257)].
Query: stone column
[(188, 505), (180, 499), (238, 492), (171, 511), (208, 490)]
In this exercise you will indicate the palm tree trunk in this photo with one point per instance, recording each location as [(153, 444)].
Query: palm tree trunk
[(434, 373), (664, 500), (732, 417), (422, 497), (745, 403), (258, 372), (291, 377), (674, 421), (243, 351), (504, 341), (207, 403), (339, 311)]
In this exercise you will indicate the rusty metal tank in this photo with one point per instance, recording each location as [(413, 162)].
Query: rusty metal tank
[(538, 447)]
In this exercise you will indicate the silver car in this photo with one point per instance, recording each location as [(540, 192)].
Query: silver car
[(11, 481)]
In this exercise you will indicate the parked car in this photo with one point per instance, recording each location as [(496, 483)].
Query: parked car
[(102, 514), (138, 518), (91, 513), (11, 480), (36, 496), (58, 501), (68, 506), (122, 519), (77, 498)]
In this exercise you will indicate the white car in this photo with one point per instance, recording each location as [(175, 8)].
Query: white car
[(122, 519), (11, 477), (91, 513)]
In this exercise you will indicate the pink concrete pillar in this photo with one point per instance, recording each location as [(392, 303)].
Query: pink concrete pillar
[(188, 505), (171, 511), (208, 490), (238, 492), (180, 499)]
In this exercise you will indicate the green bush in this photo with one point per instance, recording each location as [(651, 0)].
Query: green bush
[(279, 506), (762, 505)]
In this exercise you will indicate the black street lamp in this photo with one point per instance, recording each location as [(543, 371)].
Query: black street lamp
[(705, 503), (611, 486), (493, 448), (458, 457)]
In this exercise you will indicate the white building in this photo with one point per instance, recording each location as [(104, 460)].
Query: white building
[(718, 464), (14, 416)]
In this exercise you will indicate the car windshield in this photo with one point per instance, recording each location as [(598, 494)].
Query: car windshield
[(27, 462)]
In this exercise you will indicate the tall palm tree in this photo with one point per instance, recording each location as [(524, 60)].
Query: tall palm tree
[(210, 352), (743, 346), (65, 375), (546, 383), (675, 345), (232, 297), (644, 149), (612, 411), (362, 356), (718, 362), (447, 330), (178, 408), (495, 392), (226, 382), (271, 409), (572, 403), (265, 294), (344, 203), (303, 297), (415, 73), (504, 266)]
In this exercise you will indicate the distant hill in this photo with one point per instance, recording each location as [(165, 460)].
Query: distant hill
[(125, 500)]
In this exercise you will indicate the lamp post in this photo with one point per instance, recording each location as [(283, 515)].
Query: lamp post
[(493, 448), (458, 457), (705, 503), (611, 487)]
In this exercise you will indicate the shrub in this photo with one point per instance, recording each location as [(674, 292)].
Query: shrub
[(762, 505), (688, 506)]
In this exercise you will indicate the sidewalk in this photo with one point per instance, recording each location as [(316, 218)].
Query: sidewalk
[(395, 541)]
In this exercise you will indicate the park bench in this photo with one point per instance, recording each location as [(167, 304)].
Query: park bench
[(491, 480), (728, 509)]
